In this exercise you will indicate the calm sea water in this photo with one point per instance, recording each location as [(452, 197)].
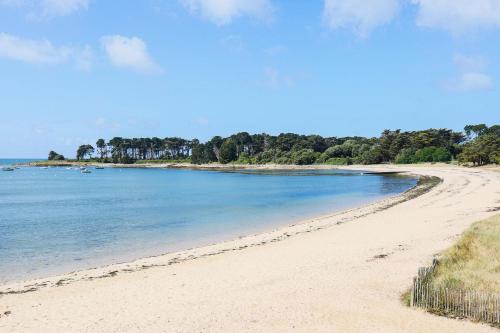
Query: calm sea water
[(56, 220), (13, 161)]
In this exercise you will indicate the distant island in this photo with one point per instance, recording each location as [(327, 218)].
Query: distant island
[(477, 145)]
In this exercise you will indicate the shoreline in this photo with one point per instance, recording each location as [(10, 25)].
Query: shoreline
[(210, 166), (344, 272), (423, 185)]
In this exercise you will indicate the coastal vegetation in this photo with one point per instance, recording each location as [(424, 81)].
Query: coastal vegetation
[(484, 148), (478, 145), (83, 151), (53, 156), (465, 280), (474, 261)]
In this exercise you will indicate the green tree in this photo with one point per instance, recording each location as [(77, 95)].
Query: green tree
[(53, 156), (228, 151), (84, 150), (392, 146), (475, 130), (482, 150), (80, 152), (101, 146)]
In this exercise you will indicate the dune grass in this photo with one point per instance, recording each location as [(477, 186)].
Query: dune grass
[(473, 263)]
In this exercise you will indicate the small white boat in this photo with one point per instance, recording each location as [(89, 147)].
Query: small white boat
[(44, 167), (86, 171)]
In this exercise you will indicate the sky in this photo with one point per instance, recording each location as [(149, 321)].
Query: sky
[(72, 71)]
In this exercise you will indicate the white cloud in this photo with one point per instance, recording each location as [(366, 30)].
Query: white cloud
[(42, 51), (48, 8), (473, 81), (222, 12), (360, 15), (31, 51), (472, 74), (129, 52), (458, 15), (62, 7)]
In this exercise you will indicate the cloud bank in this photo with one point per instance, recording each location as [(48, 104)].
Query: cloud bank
[(458, 16), (48, 8), (42, 52), (361, 16), (221, 12), (62, 7)]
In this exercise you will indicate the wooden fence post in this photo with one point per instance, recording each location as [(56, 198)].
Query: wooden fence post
[(476, 305)]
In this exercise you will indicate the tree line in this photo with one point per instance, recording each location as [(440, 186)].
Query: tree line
[(477, 144)]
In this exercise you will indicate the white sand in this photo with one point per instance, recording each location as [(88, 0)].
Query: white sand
[(325, 280)]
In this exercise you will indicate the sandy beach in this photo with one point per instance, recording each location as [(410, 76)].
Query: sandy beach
[(343, 272)]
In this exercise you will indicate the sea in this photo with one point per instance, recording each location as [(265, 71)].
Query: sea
[(56, 220)]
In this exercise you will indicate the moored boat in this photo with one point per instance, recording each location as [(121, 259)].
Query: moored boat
[(7, 169)]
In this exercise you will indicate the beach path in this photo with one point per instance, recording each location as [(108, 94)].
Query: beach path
[(345, 278)]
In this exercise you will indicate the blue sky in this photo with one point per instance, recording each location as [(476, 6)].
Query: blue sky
[(72, 71)]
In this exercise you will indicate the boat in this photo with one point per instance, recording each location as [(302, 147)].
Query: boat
[(7, 169), (99, 167), (86, 171)]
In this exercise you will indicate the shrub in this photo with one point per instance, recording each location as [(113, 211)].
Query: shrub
[(244, 158), (372, 156), (441, 155), (339, 161), (267, 156), (425, 154), (304, 157), (432, 154), (405, 156)]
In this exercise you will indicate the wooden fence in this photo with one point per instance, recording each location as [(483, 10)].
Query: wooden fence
[(475, 305)]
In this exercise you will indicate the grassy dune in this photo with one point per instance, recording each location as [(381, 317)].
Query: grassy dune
[(466, 281), (473, 263)]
